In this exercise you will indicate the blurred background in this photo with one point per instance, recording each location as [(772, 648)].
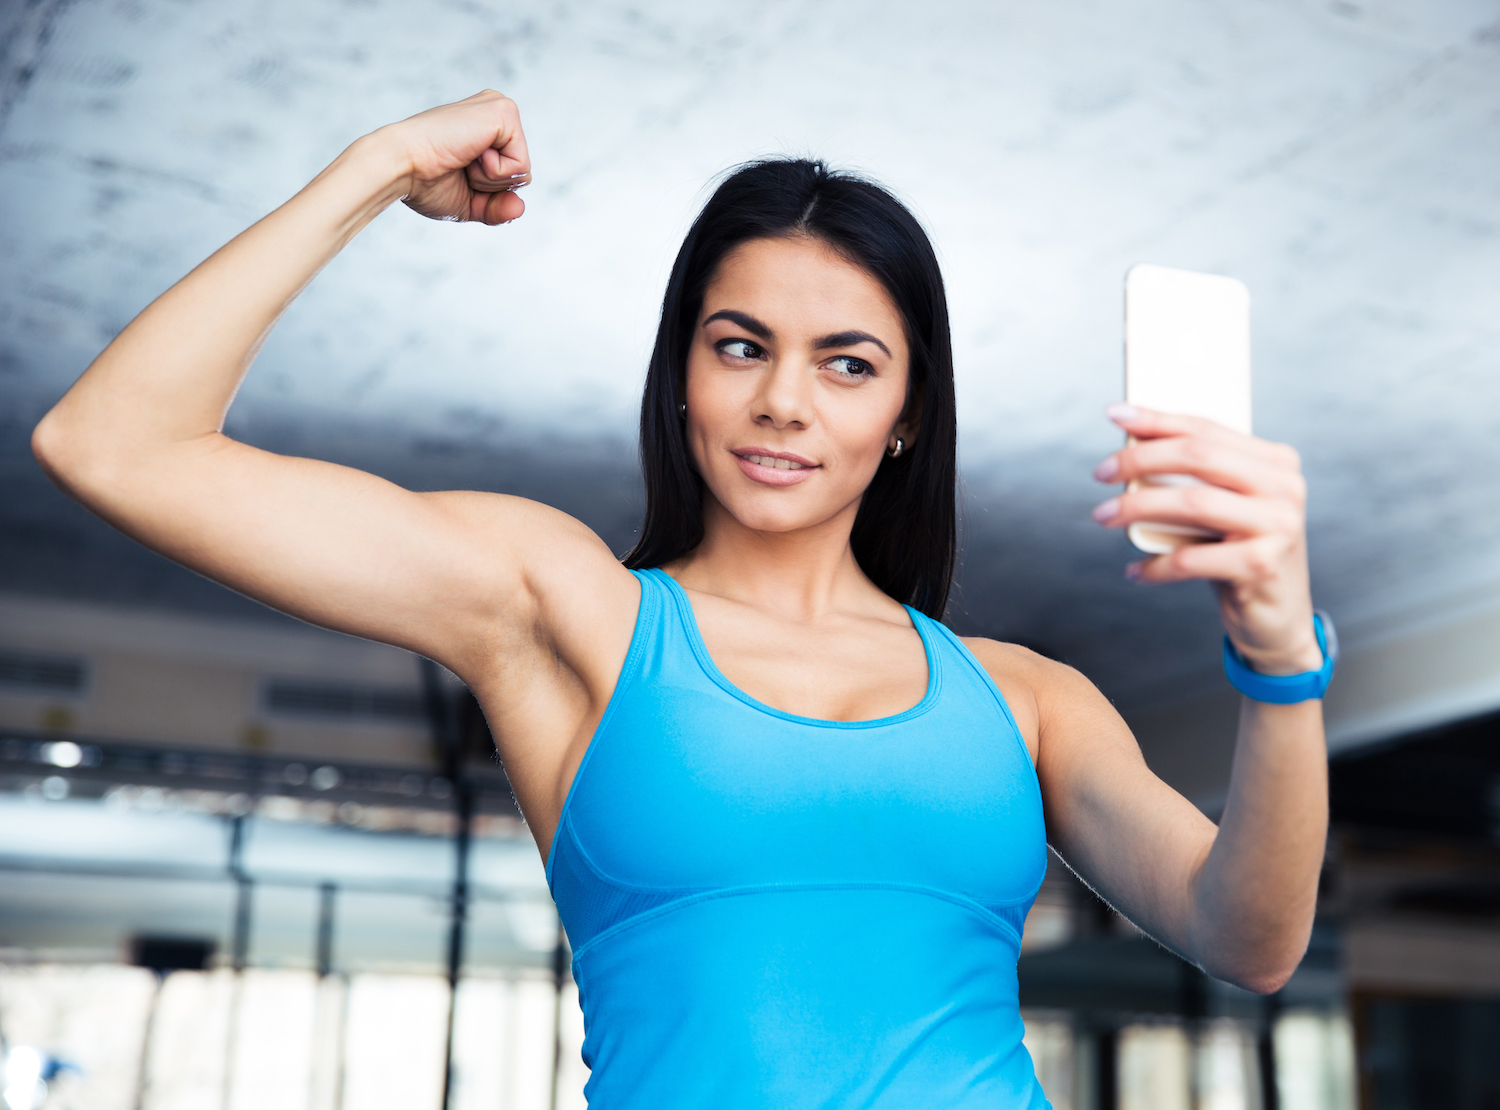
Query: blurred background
[(247, 862)]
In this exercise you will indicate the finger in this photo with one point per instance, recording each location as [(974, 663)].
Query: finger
[(505, 156), (1218, 462), (481, 182), (488, 172), (510, 145), (496, 208), (1145, 424), (1243, 561), (1218, 510)]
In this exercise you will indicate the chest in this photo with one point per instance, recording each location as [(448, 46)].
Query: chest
[(691, 788), (835, 669)]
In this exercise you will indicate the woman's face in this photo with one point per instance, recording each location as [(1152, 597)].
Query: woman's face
[(796, 384)]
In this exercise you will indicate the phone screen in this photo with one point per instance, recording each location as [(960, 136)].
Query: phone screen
[(1187, 350)]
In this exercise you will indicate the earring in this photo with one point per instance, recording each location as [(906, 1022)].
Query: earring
[(682, 410), (895, 452)]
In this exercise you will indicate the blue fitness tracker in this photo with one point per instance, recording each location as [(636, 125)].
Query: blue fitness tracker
[(1285, 689)]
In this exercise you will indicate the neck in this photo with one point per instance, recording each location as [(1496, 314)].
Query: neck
[(800, 574)]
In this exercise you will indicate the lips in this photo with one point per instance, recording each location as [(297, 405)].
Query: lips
[(774, 468), (774, 461)]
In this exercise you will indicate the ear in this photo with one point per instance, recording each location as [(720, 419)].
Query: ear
[(908, 423)]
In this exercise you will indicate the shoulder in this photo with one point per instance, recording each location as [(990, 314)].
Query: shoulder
[(1044, 695), (543, 543), (552, 582), (1019, 673)]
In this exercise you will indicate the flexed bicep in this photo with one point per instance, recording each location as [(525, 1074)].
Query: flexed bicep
[(139, 440)]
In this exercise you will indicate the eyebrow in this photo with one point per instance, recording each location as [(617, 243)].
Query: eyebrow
[(744, 320), (761, 331), (849, 339)]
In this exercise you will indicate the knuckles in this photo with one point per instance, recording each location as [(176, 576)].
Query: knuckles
[(1288, 457), (1198, 500), (1263, 557), (1198, 451), (1297, 490)]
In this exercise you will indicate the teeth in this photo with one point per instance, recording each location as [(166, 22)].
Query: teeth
[(778, 464)]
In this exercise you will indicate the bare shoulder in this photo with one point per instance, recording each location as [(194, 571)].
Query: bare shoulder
[(545, 540), (551, 580), (506, 521), (1046, 697)]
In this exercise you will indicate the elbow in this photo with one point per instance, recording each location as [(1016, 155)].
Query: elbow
[(62, 450), (50, 444), (1267, 980), (1256, 947), (1263, 972)]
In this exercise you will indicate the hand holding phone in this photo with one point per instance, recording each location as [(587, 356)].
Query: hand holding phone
[(1194, 474), (1187, 351)]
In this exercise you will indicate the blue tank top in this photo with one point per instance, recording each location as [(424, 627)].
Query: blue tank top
[(773, 911)]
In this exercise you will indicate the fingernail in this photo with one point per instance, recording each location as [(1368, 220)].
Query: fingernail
[(1107, 511), (1122, 412), (1133, 572), (1107, 469)]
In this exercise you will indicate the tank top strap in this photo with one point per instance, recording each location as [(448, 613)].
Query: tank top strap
[(675, 609), (651, 584), (657, 585), (665, 635)]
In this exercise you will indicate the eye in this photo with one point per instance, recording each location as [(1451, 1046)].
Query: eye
[(847, 366), (741, 349)]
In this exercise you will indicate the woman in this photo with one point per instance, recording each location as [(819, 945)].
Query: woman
[(793, 824)]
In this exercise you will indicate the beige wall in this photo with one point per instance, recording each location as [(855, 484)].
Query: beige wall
[(190, 682)]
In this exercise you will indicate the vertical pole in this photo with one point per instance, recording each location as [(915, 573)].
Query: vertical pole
[(448, 742), (328, 1026), (240, 940), (1193, 1003), (1106, 1042), (1092, 921), (458, 923), (143, 1075), (327, 892), (239, 948), (559, 980), (1265, 1052)]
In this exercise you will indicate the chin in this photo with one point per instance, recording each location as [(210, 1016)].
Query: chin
[(778, 513)]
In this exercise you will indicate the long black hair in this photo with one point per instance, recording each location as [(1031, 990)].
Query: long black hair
[(905, 533)]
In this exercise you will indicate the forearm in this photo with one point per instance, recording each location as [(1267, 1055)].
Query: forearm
[(1256, 890), (169, 377)]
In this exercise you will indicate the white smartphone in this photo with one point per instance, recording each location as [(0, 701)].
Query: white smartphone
[(1187, 350)]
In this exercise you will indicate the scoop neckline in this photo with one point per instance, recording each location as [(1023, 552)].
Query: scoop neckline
[(711, 669)]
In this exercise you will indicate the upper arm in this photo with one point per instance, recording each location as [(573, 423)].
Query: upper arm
[(1129, 835), (443, 574)]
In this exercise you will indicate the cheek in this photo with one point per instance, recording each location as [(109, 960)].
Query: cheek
[(858, 434), (870, 423), (717, 404), (697, 389), (710, 409)]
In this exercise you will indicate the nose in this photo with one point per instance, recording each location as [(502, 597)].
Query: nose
[(785, 396)]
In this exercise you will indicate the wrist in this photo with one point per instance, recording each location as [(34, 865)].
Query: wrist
[(1286, 688), (370, 175), (383, 160), (1295, 659)]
